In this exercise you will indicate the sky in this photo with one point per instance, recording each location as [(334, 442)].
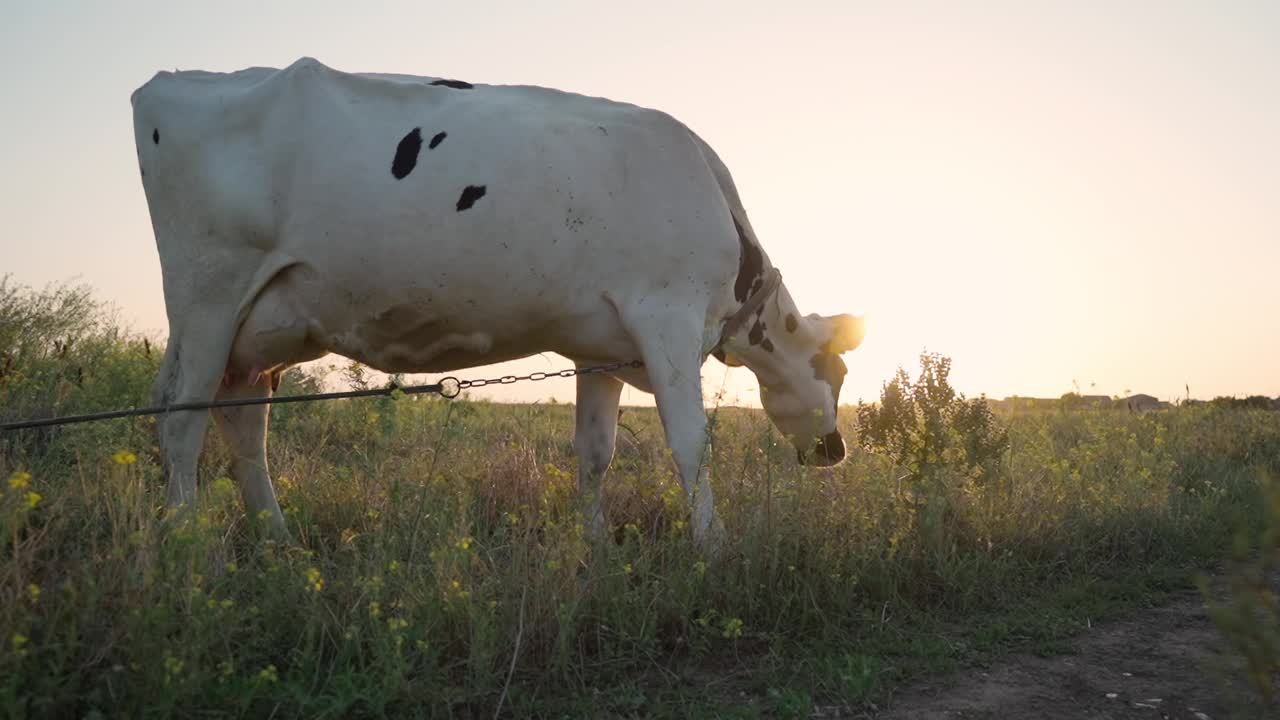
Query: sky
[(1058, 195)]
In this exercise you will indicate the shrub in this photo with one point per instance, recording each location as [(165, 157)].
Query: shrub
[(62, 352), (926, 426), (1249, 617)]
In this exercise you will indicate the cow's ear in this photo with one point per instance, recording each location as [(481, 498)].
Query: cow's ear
[(847, 332)]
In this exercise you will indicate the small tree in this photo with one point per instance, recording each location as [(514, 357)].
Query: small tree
[(943, 441), (927, 427)]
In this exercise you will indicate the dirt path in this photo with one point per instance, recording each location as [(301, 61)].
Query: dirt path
[(1168, 662)]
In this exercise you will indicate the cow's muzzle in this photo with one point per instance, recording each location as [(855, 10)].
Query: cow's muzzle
[(828, 451)]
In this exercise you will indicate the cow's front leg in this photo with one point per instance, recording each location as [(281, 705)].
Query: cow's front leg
[(594, 439), (671, 350)]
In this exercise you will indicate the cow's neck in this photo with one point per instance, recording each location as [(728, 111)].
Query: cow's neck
[(764, 341)]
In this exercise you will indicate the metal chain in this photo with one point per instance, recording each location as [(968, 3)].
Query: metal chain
[(448, 387), (451, 386)]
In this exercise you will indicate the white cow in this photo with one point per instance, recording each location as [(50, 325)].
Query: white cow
[(425, 225)]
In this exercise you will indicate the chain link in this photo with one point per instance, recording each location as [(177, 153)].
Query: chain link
[(451, 386), (448, 387)]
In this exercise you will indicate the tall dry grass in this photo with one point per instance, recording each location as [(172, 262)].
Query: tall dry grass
[(441, 567)]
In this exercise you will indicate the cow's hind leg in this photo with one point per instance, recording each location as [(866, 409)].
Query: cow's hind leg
[(191, 372), (671, 347), (244, 429), (594, 439)]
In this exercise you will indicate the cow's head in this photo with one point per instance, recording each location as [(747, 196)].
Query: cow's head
[(797, 362)]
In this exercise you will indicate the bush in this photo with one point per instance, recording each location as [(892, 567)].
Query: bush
[(947, 445), (1249, 617), (927, 427), (62, 352)]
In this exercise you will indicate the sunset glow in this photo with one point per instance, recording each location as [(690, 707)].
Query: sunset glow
[(1073, 196)]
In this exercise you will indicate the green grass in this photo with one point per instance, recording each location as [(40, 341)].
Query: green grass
[(441, 566)]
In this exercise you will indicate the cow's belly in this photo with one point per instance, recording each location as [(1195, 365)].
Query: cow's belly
[(406, 327)]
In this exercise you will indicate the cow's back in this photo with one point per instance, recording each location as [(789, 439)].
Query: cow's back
[(381, 183)]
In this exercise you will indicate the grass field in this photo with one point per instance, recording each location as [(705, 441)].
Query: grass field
[(441, 568)]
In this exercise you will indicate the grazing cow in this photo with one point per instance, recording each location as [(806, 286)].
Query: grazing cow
[(425, 225)]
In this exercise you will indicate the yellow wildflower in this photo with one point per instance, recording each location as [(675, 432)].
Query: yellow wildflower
[(465, 543), (33, 592), (124, 457), (33, 499), (172, 667), (19, 480), (19, 643), (457, 589), (314, 581), (268, 674)]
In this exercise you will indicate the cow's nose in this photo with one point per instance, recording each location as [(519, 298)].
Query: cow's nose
[(828, 451)]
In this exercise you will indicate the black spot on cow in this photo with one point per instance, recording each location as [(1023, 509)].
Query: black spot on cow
[(829, 368), (750, 266), (436, 140), (454, 84), (470, 194), (756, 336), (767, 345), (155, 135), (792, 323), (407, 154)]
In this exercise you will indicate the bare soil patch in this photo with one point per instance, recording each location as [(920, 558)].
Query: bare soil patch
[(1167, 662)]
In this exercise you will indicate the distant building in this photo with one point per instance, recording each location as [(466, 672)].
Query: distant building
[(1142, 403), (1071, 401)]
